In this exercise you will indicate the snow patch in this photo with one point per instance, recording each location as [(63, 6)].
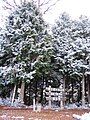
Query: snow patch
[(85, 116)]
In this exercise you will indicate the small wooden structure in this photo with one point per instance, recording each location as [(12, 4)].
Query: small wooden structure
[(54, 94)]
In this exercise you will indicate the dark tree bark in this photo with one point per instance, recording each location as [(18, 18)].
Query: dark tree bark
[(42, 89), (83, 90), (72, 90), (88, 89)]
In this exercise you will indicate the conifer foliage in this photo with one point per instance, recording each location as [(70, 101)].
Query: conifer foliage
[(27, 44)]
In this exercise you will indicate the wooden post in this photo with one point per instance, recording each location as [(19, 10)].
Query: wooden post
[(50, 97), (61, 101), (34, 106), (13, 95), (39, 107)]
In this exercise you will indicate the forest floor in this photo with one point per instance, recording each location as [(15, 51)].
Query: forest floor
[(7, 113)]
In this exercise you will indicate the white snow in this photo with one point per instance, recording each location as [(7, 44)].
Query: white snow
[(18, 117), (85, 116)]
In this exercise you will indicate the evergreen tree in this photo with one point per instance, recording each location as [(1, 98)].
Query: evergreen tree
[(71, 46), (61, 43), (26, 42), (81, 51)]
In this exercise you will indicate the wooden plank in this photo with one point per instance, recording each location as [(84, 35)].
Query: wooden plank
[(53, 94), (53, 98), (53, 89)]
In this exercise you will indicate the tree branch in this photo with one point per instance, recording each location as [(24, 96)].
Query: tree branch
[(8, 3), (50, 6), (15, 2), (45, 3)]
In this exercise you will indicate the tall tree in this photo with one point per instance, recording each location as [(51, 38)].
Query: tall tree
[(61, 44), (81, 49), (71, 44), (26, 43)]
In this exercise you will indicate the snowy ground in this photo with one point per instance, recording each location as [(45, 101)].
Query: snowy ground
[(71, 112), (28, 114), (85, 116)]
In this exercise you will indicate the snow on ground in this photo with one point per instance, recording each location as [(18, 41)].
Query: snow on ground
[(5, 117), (85, 116)]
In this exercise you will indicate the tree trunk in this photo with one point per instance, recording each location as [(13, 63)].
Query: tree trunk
[(83, 91), (72, 90), (36, 96), (29, 93), (62, 87), (61, 101), (25, 100), (22, 92), (13, 96), (64, 91), (88, 89), (80, 93), (42, 89)]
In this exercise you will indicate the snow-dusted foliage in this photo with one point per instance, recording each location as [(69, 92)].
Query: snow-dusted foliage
[(81, 44), (61, 42), (26, 43), (71, 42)]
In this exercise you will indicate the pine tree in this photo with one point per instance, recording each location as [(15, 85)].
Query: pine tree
[(71, 46), (61, 44), (26, 42), (81, 50)]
